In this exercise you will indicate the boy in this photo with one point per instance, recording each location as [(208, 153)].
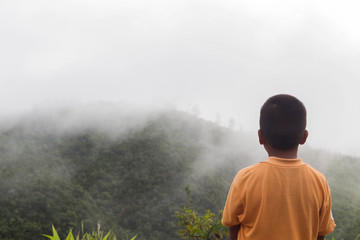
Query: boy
[(281, 198)]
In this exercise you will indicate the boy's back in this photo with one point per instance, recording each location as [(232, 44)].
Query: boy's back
[(281, 198)]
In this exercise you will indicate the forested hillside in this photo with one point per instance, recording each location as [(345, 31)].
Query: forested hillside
[(74, 166)]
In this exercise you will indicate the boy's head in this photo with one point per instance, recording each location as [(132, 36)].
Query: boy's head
[(283, 121)]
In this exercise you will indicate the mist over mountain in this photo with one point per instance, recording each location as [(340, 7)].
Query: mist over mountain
[(95, 162)]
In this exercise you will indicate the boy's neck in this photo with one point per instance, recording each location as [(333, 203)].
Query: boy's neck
[(288, 154)]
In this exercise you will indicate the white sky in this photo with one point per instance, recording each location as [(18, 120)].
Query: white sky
[(226, 57)]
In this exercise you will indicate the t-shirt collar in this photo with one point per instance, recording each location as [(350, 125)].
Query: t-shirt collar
[(285, 161)]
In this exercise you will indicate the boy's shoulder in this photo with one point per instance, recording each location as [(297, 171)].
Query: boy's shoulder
[(248, 172), (249, 169), (257, 170), (316, 172)]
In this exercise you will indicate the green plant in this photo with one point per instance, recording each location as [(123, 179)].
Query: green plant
[(95, 235), (194, 226), (206, 227)]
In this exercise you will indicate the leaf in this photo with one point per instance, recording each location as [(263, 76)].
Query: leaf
[(70, 236), (189, 229), (107, 235), (51, 237), (55, 235)]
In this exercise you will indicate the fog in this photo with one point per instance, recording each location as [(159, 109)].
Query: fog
[(219, 59)]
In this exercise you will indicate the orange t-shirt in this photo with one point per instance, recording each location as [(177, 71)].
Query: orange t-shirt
[(279, 199)]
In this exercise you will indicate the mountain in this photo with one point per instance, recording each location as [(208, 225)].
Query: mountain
[(102, 162)]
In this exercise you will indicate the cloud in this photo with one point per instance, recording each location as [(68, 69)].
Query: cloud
[(226, 57)]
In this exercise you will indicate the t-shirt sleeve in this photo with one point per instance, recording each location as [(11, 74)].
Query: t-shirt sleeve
[(326, 223), (234, 206)]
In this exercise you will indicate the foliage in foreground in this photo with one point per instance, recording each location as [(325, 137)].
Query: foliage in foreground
[(195, 226), (206, 227), (95, 235)]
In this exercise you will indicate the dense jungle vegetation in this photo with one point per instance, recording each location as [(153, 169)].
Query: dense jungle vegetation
[(52, 173)]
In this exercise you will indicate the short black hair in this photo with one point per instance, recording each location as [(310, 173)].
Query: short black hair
[(283, 121)]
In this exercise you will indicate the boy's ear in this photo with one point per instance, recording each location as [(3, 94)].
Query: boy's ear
[(303, 139), (261, 137)]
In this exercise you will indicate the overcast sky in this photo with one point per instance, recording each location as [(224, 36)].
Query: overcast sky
[(225, 57)]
